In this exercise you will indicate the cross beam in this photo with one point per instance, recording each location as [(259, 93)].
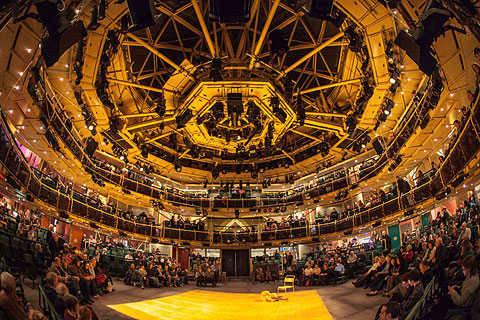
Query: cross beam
[(259, 45), (310, 54)]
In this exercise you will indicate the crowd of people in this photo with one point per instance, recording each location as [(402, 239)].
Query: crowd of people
[(447, 252), (156, 271)]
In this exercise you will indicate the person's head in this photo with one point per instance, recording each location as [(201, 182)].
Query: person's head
[(61, 289), (71, 303), (476, 68), (438, 242), (51, 279), (85, 314), (8, 282), (476, 52), (464, 226), (57, 262), (430, 245), (424, 266), (51, 227), (132, 266), (389, 311), (469, 266), (470, 96), (409, 248), (413, 277), (466, 246), (38, 247)]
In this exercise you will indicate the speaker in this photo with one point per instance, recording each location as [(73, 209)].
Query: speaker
[(348, 232), (53, 47), (121, 233), (91, 146), (316, 201), (205, 244), (425, 122), (94, 225), (267, 244), (315, 239), (228, 11), (420, 55), (141, 14), (377, 145), (320, 9), (377, 224), (153, 240)]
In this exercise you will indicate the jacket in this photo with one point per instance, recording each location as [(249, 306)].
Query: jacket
[(465, 297)]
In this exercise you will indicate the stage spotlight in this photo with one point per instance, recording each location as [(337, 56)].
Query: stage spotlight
[(178, 165), (183, 118), (234, 107), (277, 110), (160, 106), (355, 40), (216, 71), (217, 110), (300, 110)]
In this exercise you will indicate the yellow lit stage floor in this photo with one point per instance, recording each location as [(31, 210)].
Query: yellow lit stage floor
[(199, 304)]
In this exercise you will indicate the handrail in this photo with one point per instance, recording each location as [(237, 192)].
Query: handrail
[(467, 145)]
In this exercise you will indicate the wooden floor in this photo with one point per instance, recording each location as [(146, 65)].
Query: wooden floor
[(231, 300), (202, 304)]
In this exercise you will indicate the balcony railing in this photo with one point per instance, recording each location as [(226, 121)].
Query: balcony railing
[(65, 199), (50, 109)]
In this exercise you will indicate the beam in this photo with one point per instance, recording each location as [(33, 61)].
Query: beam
[(136, 85), (179, 19), (158, 137), (149, 123), (286, 153), (305, 135), (138, 115), (310, 54), (323, 125), (330, 85), (157, 53), (324, 114), (185, 152), (266, 26), (206, 34)]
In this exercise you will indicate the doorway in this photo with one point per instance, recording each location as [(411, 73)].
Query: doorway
[(235, 262)]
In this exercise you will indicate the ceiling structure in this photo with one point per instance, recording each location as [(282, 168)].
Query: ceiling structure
[(197, 99)]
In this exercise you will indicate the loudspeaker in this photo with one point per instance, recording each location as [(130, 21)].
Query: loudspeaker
[(320, 9), (267, 244), (228, 11), (377, 224), (205, 244), (186, 243), (94, 225), (141, 14), (420, 55), (121, 233), (53, 47), (316, 201), (91, 146), (153, 240), (315, 239), (348, 232), (377, 145), (425, 121)]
